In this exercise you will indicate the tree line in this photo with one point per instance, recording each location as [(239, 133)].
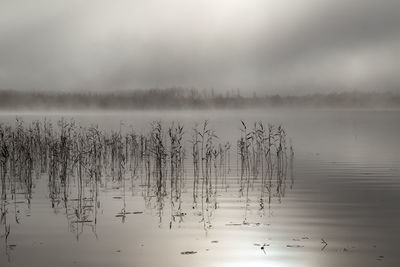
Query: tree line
[(176, 98)]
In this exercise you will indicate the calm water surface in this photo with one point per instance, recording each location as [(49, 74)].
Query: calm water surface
[(346, 191)]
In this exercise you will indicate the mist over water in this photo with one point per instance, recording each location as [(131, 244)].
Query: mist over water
[(339, 204), (199, 133)]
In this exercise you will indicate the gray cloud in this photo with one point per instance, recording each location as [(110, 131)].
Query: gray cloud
[(270, 45)]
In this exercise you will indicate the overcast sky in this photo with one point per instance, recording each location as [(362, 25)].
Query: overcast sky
[(283, 46)]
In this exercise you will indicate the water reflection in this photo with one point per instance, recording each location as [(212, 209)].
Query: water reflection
[(78, 162)]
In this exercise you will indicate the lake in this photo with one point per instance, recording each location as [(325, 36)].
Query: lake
[(338, 205)]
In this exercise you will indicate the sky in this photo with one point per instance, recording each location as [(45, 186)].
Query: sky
[(272, 46)]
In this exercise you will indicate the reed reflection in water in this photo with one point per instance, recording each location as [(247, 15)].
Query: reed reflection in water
[(80, 162)]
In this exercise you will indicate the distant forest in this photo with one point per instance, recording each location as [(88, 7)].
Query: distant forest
[(179, 98)]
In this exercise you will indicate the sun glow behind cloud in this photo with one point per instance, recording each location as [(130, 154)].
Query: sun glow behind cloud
[(253, 44)]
